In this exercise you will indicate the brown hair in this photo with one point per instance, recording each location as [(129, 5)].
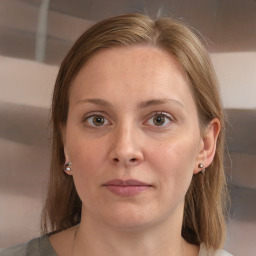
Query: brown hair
[(205, 199)]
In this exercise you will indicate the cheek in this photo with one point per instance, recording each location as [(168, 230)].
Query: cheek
[(174, 163), (80, 147), (177, 155), (86, 157), (86, 161)]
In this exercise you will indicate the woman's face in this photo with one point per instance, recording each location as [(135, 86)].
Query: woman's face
[(133, 137)]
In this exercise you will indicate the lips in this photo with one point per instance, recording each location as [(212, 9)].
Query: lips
[(126, 187), (126, 183)]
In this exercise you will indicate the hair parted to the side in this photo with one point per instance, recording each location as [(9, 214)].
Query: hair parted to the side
[(205, 199)]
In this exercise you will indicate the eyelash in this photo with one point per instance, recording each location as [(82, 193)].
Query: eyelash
[(150, 116)]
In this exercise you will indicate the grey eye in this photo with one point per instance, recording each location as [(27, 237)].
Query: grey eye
[(97, 120), (159, 120)]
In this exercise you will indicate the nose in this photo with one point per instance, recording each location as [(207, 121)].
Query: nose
[(126, 149)]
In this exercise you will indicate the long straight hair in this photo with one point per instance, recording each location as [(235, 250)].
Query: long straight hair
[(203, 219)]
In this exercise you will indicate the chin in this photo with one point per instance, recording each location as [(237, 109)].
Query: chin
[(129, 218)]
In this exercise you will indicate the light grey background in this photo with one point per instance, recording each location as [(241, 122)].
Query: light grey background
[(35, 36)]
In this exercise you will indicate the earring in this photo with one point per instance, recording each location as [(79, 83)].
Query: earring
[(67, 167), (201, 166)]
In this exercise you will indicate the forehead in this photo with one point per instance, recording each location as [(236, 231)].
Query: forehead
[(150, 57), (139, 70)]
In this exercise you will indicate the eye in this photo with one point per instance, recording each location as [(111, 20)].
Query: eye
[(96, 120), (160, 119)]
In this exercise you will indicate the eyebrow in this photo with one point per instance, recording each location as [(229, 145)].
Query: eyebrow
[(96, 102), (155, 102), (144, 104)]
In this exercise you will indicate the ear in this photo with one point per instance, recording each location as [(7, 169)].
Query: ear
[(207, 146), (67, 159)]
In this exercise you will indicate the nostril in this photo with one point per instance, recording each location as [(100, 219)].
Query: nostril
[(126, 161)]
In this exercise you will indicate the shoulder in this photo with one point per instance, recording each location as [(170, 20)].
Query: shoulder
[(222, 253), (37, 247), (204, 252)]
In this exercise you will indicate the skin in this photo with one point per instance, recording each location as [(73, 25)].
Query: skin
[(147, 130)]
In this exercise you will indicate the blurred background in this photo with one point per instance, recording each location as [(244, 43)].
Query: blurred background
[(35, 35)]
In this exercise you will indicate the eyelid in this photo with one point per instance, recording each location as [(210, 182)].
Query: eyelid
[(168, 115)]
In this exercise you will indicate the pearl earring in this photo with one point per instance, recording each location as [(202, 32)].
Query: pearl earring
[(67, 167), (201, 166)]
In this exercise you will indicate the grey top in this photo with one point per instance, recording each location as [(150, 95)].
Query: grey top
[(41, 247), (37, 247)]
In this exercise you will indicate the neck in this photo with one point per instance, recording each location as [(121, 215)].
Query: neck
[(95, 238)]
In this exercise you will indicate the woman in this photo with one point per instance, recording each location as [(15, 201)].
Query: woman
[(138, 125)]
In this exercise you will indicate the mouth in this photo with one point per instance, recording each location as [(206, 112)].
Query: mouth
[(126, 187)]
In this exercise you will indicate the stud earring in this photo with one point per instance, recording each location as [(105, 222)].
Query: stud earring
[(67, 167), (201, 166)]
